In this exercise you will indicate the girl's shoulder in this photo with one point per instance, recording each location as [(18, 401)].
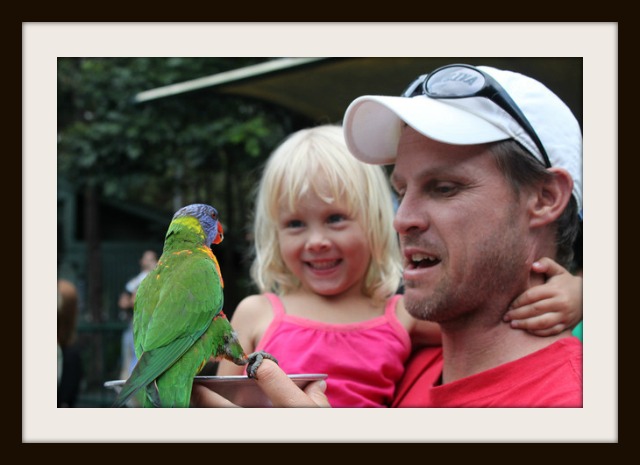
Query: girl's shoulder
[(253, 308), (252, 317), (254, 300), (253, 303)]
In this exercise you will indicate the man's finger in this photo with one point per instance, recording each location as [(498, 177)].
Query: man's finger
[(201, 396), (316, 390), (283, 392)]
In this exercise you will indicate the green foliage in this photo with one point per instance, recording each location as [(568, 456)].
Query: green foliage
[(159, 151)]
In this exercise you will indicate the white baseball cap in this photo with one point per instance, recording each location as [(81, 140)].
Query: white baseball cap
[(372, 123)]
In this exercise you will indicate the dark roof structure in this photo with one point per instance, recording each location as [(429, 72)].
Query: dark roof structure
[(320, 89)]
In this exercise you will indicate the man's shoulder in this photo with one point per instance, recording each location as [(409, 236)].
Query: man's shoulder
[(564, 358), (568, 349), (422, 370), (559, 375), (550, 377)]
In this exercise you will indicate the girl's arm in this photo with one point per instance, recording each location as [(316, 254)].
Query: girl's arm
[(422, 333), (247, 320), (549, 308), (426, 333)]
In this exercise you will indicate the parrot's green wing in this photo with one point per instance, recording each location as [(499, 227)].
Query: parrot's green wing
[(175, 305)]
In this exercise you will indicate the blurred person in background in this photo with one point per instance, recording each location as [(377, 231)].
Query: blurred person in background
[(70, 369)]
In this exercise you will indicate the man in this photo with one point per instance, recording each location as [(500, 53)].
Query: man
[(488, 174)]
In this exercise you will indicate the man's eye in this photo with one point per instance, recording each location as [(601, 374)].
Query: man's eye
[(445, 189)]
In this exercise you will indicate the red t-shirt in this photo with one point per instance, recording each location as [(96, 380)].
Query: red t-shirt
[(551, 377)]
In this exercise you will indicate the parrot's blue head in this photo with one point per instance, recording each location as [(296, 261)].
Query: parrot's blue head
[(208, 218)]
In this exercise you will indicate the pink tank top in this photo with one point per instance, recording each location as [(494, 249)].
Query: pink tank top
[(363, 360)]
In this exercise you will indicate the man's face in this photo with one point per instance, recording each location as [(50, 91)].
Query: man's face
[(461, 228)]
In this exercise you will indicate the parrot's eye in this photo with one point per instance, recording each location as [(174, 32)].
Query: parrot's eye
[(214, 216)]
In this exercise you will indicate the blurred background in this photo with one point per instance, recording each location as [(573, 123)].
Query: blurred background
[(140, 137)]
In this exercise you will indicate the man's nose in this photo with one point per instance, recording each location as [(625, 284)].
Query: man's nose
[(411, 215)]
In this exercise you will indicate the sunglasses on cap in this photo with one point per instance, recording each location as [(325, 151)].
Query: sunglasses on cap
[(460, 81)]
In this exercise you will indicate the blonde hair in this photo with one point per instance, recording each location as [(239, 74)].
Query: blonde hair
[(317, 160)]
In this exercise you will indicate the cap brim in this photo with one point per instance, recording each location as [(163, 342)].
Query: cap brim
[(372, 125)]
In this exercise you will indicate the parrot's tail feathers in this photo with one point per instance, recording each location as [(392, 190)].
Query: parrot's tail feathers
[(139, 378), (127, 391), (151, 365)]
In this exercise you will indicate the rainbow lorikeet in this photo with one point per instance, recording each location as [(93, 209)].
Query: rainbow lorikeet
[(178, 319)]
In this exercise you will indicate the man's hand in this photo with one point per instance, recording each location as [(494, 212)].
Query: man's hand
[(276, 385)]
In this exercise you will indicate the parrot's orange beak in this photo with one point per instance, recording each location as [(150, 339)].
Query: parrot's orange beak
[(220, 234)]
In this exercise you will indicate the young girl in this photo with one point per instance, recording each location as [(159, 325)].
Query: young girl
[(328, 266)]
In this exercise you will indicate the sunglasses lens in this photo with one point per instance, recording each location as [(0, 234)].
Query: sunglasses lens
[(454, 81)]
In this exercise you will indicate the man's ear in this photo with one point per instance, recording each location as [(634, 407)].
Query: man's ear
[(550, 199)]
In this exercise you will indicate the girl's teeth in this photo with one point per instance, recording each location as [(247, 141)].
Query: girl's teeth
[(323, 265)]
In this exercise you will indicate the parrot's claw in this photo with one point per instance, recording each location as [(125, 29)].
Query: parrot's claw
[(254, 360)]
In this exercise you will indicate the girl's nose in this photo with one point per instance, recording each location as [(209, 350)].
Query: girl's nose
[(317, 242)]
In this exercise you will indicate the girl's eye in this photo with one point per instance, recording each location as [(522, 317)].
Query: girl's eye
[(294, 224), (336, 218)]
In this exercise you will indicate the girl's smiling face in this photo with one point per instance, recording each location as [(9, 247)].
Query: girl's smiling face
[(323, 245)]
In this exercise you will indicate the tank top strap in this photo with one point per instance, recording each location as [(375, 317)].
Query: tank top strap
[(278, 315), (391, 316), (276, 305), (390, 309)]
